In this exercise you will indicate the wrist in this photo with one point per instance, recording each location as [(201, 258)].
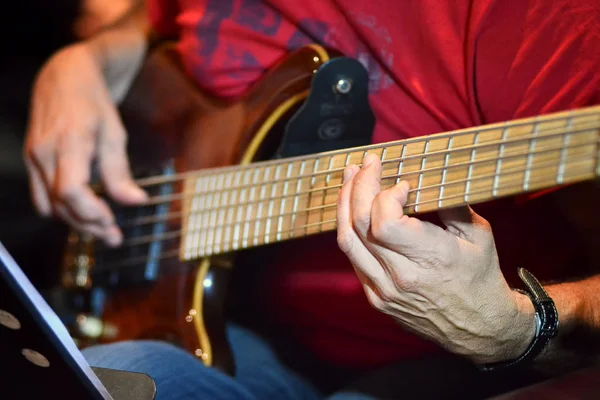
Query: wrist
[(119, 55), (545, 316), (524, 327)]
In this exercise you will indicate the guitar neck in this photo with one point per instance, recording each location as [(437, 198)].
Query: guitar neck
[(235, 208)]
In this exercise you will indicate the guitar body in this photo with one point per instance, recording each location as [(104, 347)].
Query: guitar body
[(171, 123)]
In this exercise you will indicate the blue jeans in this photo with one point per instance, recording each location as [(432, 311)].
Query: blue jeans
[(261, 374), (179, 375)]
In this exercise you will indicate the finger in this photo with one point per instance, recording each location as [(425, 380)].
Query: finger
[(40, 164), (72, 185), (38, 189), (72, 191), (397, 231), (366, 185), (464, 223), (348, 240), (98, 231), (114, 163)]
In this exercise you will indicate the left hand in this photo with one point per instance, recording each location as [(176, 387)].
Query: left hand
[(443, 284)]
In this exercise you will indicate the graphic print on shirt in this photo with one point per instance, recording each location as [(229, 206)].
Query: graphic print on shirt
[(239, 62), (312, 30)]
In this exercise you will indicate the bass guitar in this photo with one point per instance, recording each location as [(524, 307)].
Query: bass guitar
[(225, 177)]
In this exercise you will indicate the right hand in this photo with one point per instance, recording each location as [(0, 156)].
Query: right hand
[(74, 122)]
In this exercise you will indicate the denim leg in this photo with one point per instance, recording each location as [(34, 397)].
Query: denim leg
[(179, 375)]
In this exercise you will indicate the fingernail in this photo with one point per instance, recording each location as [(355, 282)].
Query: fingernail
[(139, 194), (368, 160), (348, 173), (114, 237)]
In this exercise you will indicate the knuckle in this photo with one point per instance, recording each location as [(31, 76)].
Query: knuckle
[(37, 152), (484, 225), (381, 228), (67, 193), (387, 293), (484, 232), (116, 141), (345, 241), (361, 219), (376, 302), (408, 282)]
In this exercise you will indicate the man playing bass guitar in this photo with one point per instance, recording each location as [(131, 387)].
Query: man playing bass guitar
[(392, 306)]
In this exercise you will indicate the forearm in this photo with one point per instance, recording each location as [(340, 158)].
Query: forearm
[(119, 50), (578, 306), (577, 344)]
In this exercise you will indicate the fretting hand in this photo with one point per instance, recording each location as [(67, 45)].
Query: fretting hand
[(443, 284)]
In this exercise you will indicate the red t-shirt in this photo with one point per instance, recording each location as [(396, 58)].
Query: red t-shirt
[(434, 65)]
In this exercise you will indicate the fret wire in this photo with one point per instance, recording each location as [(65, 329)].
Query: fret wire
[(206, 215), (310, 195), (270, 208), (470, 168), (531, 149), (563, 153), (400, 163), (514, 185), (295, 207), (429, 187), (191, 220), (582, 113), (445, 170), (282, 204), (238, 214), (347, 161), (215, 213), (174, 234), (383, 154), (248, 211), (420, 180), (259, 206), (158, 199), (327, 178), (221, 214), (407, 207), (231, 213), (145, 220), (241, 211), (499, 162), (174, 253)]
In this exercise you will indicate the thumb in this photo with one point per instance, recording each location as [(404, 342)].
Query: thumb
[(113, 162), (464, 222)]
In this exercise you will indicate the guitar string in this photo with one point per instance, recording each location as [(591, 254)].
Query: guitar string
[(173, 253), (149, 238), (145, 239), (141, 221), (155, 180), (163, 199), (147, 220)]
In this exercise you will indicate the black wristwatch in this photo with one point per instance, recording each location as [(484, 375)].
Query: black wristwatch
[(546, 318)]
